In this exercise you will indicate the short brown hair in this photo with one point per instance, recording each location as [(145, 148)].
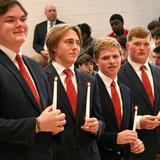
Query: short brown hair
[(105, 43), (84, 59), (5, 5), (55, 34), (138, 32)]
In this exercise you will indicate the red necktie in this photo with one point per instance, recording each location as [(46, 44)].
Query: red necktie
[(27, 78), (71, 92), (147, 85), (116, 102)]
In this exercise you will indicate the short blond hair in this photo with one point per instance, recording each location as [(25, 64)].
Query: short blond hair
[(56, 33), (138, 32), (105, 43)]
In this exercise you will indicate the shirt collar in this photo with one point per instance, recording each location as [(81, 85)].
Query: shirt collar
[(11, 54), (48, 22), (106, 79), (137, 66), (59, 68)]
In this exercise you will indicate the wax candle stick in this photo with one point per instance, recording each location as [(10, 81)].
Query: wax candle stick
[(135, 118), (88, 100), (55, 92)]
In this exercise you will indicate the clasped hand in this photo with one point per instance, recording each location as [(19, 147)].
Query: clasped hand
[(90, 125)]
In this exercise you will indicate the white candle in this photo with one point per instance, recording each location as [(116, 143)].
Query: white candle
[(88, 100), (55, 93), (135, 118)]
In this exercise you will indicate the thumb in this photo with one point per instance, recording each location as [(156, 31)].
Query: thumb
[(49, 108)]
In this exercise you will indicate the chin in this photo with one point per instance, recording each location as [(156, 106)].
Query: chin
[(20, 39)]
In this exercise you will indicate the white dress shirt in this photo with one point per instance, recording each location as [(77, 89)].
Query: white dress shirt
[(107, 81), (59, 68)]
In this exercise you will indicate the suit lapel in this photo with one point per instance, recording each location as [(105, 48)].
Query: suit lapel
[(44, 30), (124, 105), (4, 59), (63, 101), (36, 80), (107, 106), (136, 82), (156, 88), (82, 94)]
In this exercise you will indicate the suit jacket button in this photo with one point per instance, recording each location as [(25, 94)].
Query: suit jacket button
[(119, 152)]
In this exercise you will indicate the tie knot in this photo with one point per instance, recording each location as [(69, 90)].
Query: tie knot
[(51, 24), (113, 84), (143, 68), (68, 72), (19, 59)]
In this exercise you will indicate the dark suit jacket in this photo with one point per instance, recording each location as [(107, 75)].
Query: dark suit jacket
[(107, 142), (74, 143), (18, 110), (128, 76), (40, 35)]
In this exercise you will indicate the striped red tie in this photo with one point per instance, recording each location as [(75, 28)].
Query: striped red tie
[(27, 78), (70, 89), (116, 103)]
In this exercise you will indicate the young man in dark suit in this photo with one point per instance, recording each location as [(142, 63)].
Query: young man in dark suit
[(42, 28), (78, 140), (116, 104), (25, 129), (143, 80)]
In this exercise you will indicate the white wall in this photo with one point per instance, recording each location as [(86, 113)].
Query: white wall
[(94, 12)]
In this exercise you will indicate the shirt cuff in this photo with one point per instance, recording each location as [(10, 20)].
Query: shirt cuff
[(138, 122)]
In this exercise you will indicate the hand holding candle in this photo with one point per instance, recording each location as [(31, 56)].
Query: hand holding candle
[(88, 100), (135, 118), (55, 93)]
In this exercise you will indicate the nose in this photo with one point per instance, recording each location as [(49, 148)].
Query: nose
[(75, 45), (90, 66), (158, 41), (141, 46), (111, 60), (19, 23)]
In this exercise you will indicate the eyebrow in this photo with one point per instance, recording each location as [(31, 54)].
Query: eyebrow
[(8, 17)]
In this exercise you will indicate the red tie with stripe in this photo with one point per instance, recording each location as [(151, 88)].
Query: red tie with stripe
[(147, 85), (27, 78), (70, 89), (116, 103)]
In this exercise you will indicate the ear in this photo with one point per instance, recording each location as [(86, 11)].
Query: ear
[(127, 45), (54, 49), (96, 62)]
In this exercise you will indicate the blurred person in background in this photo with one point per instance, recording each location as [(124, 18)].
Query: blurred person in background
[(117, 25), (42, 28)]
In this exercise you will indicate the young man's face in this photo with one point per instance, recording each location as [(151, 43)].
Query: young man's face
[(68, 49), (139, 49), (86, 67), (117, 26), (13, 28), (109, 62), (156, 58), (156, 40)]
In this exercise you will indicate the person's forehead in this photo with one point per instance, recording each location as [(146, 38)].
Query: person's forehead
[(139, 39), (156, 54), (11, 11), (50, 7), (115, 21)]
